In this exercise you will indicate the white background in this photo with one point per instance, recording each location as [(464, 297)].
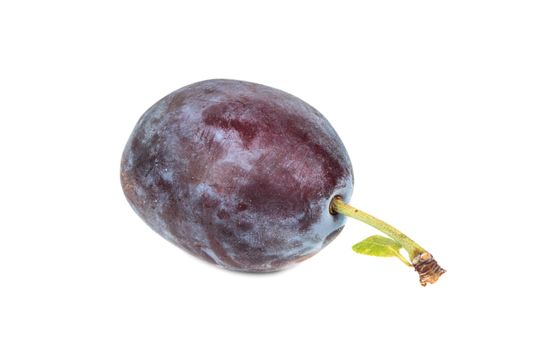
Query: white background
[(433, 101)]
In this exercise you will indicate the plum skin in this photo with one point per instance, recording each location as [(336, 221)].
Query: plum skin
[(238, 174)]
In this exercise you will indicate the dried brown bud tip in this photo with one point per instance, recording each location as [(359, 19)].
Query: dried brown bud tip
[(428, 268)]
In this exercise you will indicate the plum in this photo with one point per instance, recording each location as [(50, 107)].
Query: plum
[(249, 178), (238, 174)]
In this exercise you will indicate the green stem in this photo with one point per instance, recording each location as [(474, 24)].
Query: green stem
[(412, 248), (421, 259)]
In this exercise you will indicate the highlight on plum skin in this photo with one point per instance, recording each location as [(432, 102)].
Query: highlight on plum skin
[(238, 174)]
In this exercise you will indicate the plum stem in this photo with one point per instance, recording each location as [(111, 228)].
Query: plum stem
[(423, 262)]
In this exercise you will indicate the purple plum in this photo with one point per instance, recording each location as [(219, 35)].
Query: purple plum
[(239, 174)]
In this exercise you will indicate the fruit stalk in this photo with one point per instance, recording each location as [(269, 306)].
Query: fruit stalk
[(422, 261)]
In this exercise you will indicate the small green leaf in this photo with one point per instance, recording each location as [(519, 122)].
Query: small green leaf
[(380, 246)]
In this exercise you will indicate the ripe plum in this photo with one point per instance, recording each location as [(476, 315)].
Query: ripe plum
[(239, 174)]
